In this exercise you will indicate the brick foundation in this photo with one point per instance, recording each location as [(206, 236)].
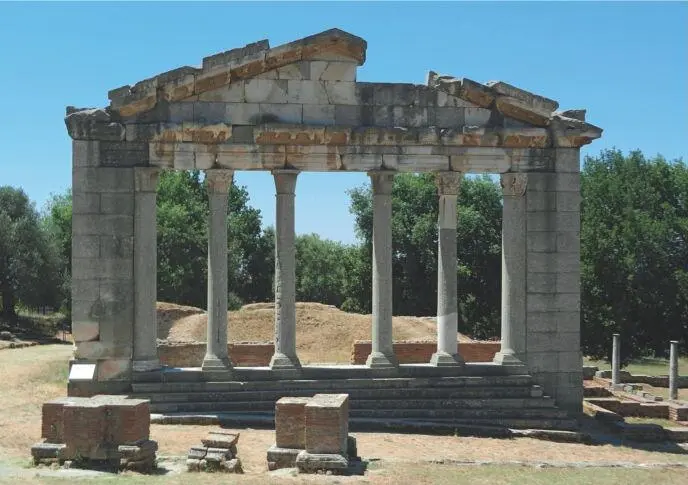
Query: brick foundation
[(190, 354), (419, 352)]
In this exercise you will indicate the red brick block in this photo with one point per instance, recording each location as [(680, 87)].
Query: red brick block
[(52, 428), (85, 428), (128, 420), (290, 422), (327, 424)]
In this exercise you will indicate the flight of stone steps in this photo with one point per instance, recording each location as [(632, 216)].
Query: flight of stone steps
[(504, 401)]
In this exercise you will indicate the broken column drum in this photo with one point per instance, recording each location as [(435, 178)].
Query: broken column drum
[(298, 108)]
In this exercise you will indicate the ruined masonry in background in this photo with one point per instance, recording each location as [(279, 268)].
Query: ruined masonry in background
[(114, 429), (298, 107)]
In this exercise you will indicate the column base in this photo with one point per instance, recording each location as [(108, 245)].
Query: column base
[(509, 358), (445, 359), (281, 361), (146, 365), (378, 360), (212, 363)]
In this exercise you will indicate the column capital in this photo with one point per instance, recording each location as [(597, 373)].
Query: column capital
[(219, 180), (146, 179), (514, 184), (448, 183), (285, 180), (382, 181)]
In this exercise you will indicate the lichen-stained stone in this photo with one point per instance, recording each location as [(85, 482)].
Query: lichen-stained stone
[(266, 91), (333, 71), (327, 423), (290, 422), (92, 124), (530, 99), (521, 111), (307, 92), (181, 87), (280, 113)]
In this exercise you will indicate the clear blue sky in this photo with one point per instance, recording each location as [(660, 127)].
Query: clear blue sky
[(626, 63)]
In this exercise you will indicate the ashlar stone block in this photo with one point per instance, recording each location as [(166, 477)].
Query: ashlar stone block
[(327, 424)]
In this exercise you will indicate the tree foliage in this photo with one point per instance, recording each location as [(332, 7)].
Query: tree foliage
[(28, 260), (634, 249)]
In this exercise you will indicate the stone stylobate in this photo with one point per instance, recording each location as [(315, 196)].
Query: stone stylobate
[(298, 107)]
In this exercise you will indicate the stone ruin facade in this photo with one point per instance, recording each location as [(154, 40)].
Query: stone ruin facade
[(295, 108)]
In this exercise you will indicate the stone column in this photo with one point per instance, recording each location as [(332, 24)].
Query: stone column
[(145, 348), (216, 356), (616, 359), (285, 272), (673, 370), (513, 269), (382, 354), (448, 184)]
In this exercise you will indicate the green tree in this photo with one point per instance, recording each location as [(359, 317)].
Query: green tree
[(634, 250), (414, 239), (320, 269), (57, 222), (182, 220), (28, 263)]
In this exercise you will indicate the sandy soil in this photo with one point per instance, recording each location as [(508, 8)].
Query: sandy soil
[(323, 332)]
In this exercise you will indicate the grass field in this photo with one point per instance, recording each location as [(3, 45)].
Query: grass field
[(645, 366), (34, 375)]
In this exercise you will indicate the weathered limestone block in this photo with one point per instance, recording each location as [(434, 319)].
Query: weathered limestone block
[(327, 424), (534, 100), (308, 462), (92, 124), (220, 439), (290, 422), (282, 457)]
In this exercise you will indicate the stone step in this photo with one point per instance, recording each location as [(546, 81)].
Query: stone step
[(396, 409), (332, 384), (494, 427), (354, 394), (363, 404)]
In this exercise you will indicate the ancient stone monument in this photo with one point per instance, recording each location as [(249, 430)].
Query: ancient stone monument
[(296, 108), (312, 434), (109, 429)]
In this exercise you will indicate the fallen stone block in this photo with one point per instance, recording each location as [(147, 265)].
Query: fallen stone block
[(197, 452), (193, 465), (220, 439), (47, 451), (314, 462), (218, 455), (232, 466), (282, 457)]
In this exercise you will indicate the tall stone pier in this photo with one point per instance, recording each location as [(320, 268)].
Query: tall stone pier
[(298, 107)]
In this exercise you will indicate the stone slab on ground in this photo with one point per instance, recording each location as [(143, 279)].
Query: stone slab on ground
[(327, 424), (314, 462), (220, 439), (282, 457)]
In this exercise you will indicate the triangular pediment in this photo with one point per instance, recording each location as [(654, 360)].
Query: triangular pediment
[(254, 60)]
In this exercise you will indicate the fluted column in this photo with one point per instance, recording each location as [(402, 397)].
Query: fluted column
[(513, 269), (285, 272), (382, 354), (145, 353), (448, 184), (216, 356)]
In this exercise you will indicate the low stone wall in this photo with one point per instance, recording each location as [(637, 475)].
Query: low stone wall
[(419, 352), (190, 354), (626, 377)]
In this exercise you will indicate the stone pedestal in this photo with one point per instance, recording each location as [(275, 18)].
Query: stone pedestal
[(327, 431), (382, 354), (217, 358), (285, 357), (448, 184)]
